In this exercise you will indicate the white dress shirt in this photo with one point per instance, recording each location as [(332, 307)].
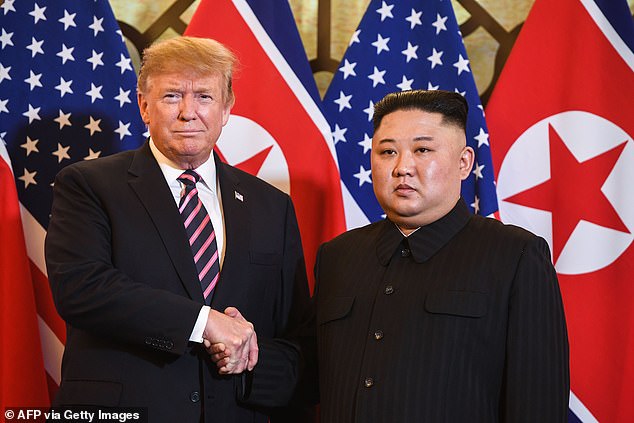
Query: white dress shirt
[(209, 194)]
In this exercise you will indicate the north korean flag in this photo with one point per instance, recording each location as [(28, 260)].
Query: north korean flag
[(561, 122), (276, 130)]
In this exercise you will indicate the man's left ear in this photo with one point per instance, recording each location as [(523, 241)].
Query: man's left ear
[(226, 112), (467, 157)]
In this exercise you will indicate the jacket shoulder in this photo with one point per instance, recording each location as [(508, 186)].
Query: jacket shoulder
[(102, 165), (502, 232), (358, 236)]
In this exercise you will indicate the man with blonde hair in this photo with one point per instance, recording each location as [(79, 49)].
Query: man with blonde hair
[(155, 254)]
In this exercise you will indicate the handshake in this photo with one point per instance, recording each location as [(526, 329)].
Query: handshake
[(231, 342)]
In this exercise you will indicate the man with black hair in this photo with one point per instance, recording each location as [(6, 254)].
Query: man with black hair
[(434, 314)]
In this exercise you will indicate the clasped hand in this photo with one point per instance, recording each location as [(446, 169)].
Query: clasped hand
[(231, 341)]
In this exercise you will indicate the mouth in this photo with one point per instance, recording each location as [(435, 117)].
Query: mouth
[(188, 132), (404, 189)]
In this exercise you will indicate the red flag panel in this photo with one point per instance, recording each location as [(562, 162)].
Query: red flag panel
[(561, 124)]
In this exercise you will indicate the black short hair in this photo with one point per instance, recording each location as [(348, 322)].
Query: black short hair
[(452, 106)]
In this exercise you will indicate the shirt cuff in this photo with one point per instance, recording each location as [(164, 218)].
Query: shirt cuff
[(199, 327)]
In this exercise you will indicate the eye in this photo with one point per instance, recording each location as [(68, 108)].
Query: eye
[(422, 150), (387, 152), (171, 96)]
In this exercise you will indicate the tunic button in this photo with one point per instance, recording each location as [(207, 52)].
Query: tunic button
[(405, 252), (378, 335), (368, 382), (389, 290), (194, 396)]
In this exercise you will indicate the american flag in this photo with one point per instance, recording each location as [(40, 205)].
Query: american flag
[(403, 45), (67, 93)]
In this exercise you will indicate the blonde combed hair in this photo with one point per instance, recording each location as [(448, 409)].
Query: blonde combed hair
[(200, 56)]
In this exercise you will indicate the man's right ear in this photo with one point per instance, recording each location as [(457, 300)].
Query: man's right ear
[(143, 107)]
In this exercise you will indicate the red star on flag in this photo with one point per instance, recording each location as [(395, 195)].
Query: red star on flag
[(573, 192), (251, 165)]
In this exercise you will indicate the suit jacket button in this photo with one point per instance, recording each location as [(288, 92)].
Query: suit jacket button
[(405, 252), (389, 290), (368, 382), (378, 335), (194, 396)]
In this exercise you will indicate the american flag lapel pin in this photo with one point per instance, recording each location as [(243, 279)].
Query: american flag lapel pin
[(238, 196)]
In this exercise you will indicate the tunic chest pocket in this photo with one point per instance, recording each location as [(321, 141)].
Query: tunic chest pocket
[(334, 309), (457, 303)]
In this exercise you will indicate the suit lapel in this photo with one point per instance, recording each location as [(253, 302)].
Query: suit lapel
[(147, 181), (233, 285)]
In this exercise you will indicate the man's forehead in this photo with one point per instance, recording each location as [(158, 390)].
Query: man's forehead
[(177, 79), (416, 131), (408, 121), (413, 114)]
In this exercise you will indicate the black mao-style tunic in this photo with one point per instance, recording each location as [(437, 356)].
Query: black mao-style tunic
[(462, 321)]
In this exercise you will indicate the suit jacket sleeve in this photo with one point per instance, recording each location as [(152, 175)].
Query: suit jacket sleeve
[(90, 292), (536, 375)]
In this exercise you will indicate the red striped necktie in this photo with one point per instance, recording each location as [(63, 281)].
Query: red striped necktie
[(201, 234)]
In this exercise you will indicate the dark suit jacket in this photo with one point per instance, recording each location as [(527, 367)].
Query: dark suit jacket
[(124, 280), (460, 322)]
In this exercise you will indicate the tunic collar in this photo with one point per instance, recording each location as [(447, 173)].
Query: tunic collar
[(426, 241)]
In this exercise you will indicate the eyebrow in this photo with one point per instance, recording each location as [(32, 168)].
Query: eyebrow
[(423, 138), (170, 87), (419, 138)]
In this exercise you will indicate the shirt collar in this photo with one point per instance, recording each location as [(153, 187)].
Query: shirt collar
[(171, 171), (425, 241)]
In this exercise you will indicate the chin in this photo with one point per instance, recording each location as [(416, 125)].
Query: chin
[(406, 210), (194, 148), (400, 215)]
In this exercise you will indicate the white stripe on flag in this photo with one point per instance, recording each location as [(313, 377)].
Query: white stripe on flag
[(34, 235), (355, 218), (609, 32), (580, 410), (4, 154), (287, 73), (52, 347), (52, 351)]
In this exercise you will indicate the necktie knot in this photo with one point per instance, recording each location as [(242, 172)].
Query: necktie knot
[(189, 178)]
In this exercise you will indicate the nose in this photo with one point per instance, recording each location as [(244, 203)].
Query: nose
[(404, 165), (187, 108)]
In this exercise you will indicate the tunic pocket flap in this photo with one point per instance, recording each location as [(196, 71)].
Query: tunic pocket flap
[(458, 303), (334, 308)]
